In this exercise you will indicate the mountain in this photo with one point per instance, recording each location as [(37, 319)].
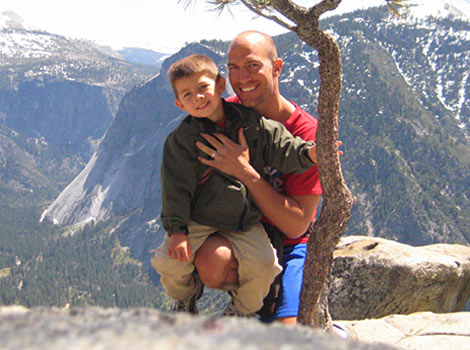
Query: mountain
[(57, 97), (142, 56), (65, 90), (404, 123)]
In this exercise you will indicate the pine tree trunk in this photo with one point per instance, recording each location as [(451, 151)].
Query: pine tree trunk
[(337, 199)]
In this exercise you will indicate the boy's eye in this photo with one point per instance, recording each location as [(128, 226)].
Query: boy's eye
[(186, 95)]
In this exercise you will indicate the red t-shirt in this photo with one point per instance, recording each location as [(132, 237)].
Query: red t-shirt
[(301, 124)]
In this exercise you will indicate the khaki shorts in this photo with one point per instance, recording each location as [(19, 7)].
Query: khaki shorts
[(257, 265)]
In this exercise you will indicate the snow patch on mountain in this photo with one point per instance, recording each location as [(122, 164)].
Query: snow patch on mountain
[(439, 8), (10, 20), (23, 44)]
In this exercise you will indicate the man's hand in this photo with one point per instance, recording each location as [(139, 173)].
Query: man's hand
[(229, 157), (179, 248)]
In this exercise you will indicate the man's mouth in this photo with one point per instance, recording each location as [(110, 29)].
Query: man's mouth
[(248, 89)]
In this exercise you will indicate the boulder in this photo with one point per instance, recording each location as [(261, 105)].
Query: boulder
[(418, 331), (93, 328), (374, 277), (123, 329)]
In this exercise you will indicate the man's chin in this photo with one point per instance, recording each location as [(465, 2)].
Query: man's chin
[(248, 102)]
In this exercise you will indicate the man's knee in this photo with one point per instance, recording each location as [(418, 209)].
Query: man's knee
[(216, 263)]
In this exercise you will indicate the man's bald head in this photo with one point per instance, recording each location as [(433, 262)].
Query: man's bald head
[(252, 38)]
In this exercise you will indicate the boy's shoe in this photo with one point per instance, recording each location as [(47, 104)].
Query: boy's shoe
[(231, 310), (189, 304)]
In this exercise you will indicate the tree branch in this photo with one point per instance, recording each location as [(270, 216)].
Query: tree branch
[(291, 10), (322, 7), (259, 12)]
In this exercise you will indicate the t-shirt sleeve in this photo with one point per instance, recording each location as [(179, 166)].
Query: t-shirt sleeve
[(303, 184), (308, 182)]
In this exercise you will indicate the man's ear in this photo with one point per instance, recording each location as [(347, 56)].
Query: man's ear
[(277, 67), (220, 84), (180, 105)]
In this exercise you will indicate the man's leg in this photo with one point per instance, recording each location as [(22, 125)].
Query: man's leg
[(216, 264), (287, 307)]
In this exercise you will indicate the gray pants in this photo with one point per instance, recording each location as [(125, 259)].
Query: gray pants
[(257, 265)]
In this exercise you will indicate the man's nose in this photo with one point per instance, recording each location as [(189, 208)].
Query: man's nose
[(240, 74), (244, 74)]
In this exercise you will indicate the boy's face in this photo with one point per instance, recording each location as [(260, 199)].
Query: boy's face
[(199, 95)]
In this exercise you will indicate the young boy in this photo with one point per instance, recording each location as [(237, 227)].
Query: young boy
[(198, 201)]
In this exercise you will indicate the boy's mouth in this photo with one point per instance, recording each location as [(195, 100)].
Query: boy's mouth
[(203, 106)]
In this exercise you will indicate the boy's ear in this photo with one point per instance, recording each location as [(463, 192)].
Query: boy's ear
[(180, 105), (220, 85)]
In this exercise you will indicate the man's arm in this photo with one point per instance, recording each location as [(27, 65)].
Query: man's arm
[(291, 215)]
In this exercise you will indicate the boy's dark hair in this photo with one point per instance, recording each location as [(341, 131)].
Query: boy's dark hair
[(191, 65)]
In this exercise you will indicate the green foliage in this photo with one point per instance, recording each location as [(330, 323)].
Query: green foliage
[(86, 268)]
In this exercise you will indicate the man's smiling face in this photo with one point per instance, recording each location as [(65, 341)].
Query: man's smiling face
[(251, 73)]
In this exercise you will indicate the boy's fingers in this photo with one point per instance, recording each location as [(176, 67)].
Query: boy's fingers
[(179, 255)]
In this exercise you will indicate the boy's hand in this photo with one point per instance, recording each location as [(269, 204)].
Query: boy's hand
[(179, 248), (312, 154)]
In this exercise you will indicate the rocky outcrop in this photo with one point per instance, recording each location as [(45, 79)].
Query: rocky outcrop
[(372, 276), (375, 277), (116, 329), (419, 331)]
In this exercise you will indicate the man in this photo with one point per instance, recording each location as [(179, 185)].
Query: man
[(254, 70)]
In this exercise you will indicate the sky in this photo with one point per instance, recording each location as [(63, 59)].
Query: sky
[(161, 25)]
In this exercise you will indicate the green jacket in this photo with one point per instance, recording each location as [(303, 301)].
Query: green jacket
[(222, 201)]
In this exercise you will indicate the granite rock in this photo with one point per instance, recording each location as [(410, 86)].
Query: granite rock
[(375, 277), (149, 329)]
